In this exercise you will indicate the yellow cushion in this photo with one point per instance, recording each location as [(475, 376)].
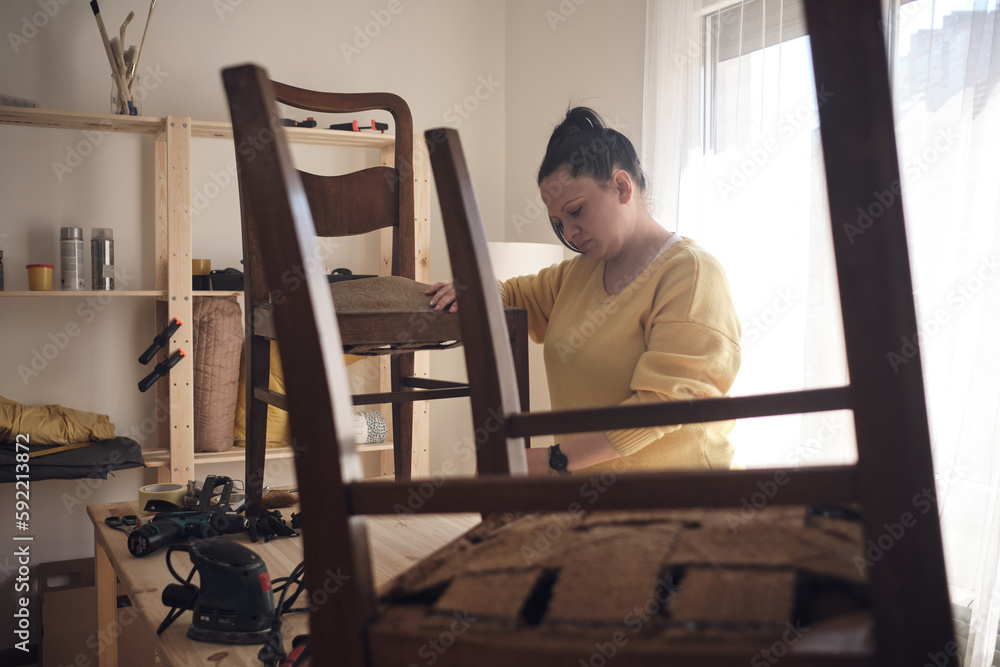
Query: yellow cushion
[(278, 431)]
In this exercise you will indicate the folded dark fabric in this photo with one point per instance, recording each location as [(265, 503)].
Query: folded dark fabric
[(94, 461)]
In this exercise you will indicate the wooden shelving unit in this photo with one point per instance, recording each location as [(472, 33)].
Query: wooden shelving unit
[(58, 294), (174, 457)]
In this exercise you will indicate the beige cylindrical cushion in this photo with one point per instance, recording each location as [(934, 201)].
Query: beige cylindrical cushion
[(218, 341)]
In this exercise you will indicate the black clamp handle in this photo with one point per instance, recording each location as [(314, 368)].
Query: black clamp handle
[(160, 341), (161, 370)]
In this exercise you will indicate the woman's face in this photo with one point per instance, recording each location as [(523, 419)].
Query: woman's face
[(594, 217)]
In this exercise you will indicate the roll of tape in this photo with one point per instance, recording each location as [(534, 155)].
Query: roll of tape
[(173, 493), (369, 427)]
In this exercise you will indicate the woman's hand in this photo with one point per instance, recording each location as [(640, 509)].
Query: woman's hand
[(443, 296)]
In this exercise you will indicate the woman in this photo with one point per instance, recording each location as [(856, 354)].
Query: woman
[(642, 315)]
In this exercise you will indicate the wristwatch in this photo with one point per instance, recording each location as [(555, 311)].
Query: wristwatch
[(558, 460)]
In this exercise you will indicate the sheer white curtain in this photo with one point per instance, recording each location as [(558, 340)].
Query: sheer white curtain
[(740, 172), (730, 85), (945, 59)]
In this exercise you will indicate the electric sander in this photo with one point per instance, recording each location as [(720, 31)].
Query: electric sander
[(235, 604)]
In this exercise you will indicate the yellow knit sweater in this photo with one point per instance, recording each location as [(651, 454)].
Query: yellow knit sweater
[(671, 334)]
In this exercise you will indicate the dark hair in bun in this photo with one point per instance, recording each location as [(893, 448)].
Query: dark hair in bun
[(590, 148)]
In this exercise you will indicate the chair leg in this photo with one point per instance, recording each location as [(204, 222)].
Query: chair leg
[(402, 419), (257, 373), (519, 347)]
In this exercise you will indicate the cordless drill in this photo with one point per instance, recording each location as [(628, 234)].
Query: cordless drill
[(171, 526), (205, 520)]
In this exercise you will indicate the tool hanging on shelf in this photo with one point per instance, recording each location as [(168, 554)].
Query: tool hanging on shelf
[(354, 126), (161, 370), (160, 341)]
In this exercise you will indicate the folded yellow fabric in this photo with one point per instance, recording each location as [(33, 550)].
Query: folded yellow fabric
[(52, 424)]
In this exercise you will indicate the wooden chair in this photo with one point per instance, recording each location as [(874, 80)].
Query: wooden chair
[(520, 590), (378, 198)]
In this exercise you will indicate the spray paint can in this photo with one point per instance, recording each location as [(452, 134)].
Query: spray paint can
[(102, 258), (71, 258)]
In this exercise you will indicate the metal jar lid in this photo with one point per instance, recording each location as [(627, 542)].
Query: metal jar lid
[(70, 233)]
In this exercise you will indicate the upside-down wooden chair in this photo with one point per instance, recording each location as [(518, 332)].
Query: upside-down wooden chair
[(378, 198), (634, 582)]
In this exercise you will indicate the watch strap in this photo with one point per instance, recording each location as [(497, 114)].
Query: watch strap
[(558, 460)]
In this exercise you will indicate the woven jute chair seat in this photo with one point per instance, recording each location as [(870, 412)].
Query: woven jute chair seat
[(640, 585)]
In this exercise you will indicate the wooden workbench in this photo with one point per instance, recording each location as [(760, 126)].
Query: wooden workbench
[(396, 543)]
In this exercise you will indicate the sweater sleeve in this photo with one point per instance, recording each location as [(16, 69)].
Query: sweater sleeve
[(685, 361), (691, 353), (536, 294)]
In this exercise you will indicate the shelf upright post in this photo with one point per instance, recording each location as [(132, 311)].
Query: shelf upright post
[(179, 296), (161, 271)]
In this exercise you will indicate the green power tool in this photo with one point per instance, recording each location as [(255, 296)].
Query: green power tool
[(235, 604)]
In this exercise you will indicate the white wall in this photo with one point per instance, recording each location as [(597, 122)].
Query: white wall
[(562, 54), (497, 71)]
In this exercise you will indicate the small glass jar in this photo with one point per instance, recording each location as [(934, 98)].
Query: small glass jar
[(116, 105)]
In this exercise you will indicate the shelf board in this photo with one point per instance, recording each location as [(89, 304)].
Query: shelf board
[(54, 294), (301, 135), (77, 120), (217, 292), (158, 458)]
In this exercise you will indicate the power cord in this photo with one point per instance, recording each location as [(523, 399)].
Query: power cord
[(172, 592), (273, 651)]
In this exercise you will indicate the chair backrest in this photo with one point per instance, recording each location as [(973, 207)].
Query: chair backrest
[(346, 204)]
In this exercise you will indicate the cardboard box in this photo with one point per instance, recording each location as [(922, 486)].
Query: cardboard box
[(69, 619)]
